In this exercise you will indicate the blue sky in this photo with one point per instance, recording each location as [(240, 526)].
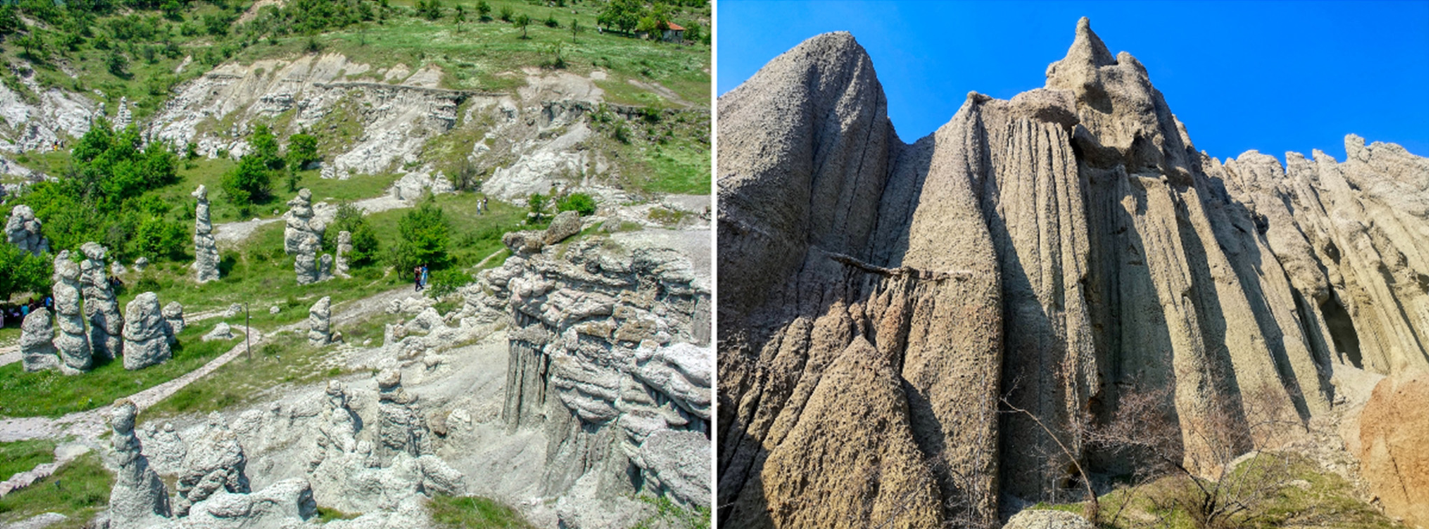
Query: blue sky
[(1271, 76)]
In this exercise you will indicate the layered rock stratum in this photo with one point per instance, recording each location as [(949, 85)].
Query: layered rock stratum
[(882, 302)]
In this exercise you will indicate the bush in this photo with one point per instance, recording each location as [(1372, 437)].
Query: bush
[(483, 9), (249, 183), (157, 238), (537, 202), (364, 239), (551, 22), (425, 234), (581, 203), (447, 281), (21, 271), (302, 150), (506, 13)]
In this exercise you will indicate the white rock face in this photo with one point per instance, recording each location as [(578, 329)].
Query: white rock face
[(174, 317), (100, 307), (347, 475), (319, 322), (220, 332), (401, 427), (213, 462), (554, 163), (36, 350), (164, 448), (39, 126), (676, 463), (22, 229), (72, 343), (146, 341), (138, 499), (415, 184), (344, 247), (205, 249)]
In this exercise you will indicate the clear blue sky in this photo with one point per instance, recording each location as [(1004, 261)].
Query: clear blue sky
[(1272, 76)]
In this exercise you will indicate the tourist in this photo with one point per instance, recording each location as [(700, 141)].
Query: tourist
[(425, 276), (417, 277), (24, 310)]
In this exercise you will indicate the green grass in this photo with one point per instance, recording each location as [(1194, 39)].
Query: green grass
[(51, 394), (475, 512), (668, 514), (1324, 499), (10, 334), (78, 490), (326, 515), (285, 358), (21, 456)]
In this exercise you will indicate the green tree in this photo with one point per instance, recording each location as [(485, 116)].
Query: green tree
[(116, 63), (302, 150), (249, 183), (22, 272), (459, 16), (621, 14), (537, 202), (581, 203), (521, 22), (265, 146), (157, 238), (424, 236), (483, 10), (10, 20), (365, 246), (551, 21)]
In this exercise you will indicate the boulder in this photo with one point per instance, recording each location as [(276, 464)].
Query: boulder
[(146, 337), (1393, 453), (22, 229), (213, 462), (401, 427), (319, 322), (565, 225), (344, 248), (37, 352), (174, 316), (220, 332), (677, 464)]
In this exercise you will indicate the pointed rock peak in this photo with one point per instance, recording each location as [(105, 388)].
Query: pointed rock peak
[(1088, 47)]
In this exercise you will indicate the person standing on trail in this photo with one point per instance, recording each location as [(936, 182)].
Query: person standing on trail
[(424, 275), (417, 277)]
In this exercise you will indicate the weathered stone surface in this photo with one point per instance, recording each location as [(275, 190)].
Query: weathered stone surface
[(174, 317), (220, 332), (305, 260), (22, 229), (1047, 519), (138, 499), (213, 462), (287, 503), (1058, 249), (300, 222), (344, 248), (1391, 449), (37, 351), (71, 342), (205, 249), (566, 224), (401, 427), (106, 326), (146, 339), (601, 393), (164, 448), (320, 322)]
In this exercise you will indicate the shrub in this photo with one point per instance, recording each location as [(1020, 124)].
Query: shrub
[(581, 203), (537, 202), (157, 238), (447, 281), (424, 236), (506, 13), (364, 239), (249, 183), (22, 272)]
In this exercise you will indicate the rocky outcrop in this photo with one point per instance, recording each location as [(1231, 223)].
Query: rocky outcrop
[(566, 224), (1057, 250), (1392, 429), (22, 229), (604, 355), (138, 499), (174, 321), (400, 425), (38, 123), (320, 322), (72, 342), (348, 474), (37, 352), (344, 248), (146, 340), (100, 306), (205, 248), (214, 462)]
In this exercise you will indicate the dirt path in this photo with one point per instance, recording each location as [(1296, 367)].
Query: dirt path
[(9, 354)]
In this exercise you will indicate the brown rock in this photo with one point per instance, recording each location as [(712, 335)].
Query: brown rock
[(1394, 446)]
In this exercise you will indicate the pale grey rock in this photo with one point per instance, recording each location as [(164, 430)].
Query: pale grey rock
[(22, 229), (37, 352), (677, 463), (222, 331), (106, 325), (123, 116), (401, 426), (71, 342), (682, 372), (174, 316), (39, 521), (164, 448), (138, 498), (344, 247), (566, 224), (205, 248), (213, 462), (1047, 519), (325, 267), (140, 264), (146, 341), (274, 309), (233, 310), (320, 322), (301, 225), (117, 268)]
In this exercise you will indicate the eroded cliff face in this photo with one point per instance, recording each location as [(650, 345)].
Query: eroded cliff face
[(1054, 251)]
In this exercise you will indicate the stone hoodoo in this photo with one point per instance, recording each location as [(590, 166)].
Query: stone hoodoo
[(37, 351), (1058, 249), (22, 229), (300, 222), (100, 307), (71, 342), (213, 462), (174, 317), (400, 425), (344, 248), (350, 476), (139, 498), (146, 334), (605, 352), (205, 249), (320, 322)]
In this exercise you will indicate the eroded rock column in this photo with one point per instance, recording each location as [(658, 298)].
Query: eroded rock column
[(72, 343), (146, 341), (100, 306), (205, 249)]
